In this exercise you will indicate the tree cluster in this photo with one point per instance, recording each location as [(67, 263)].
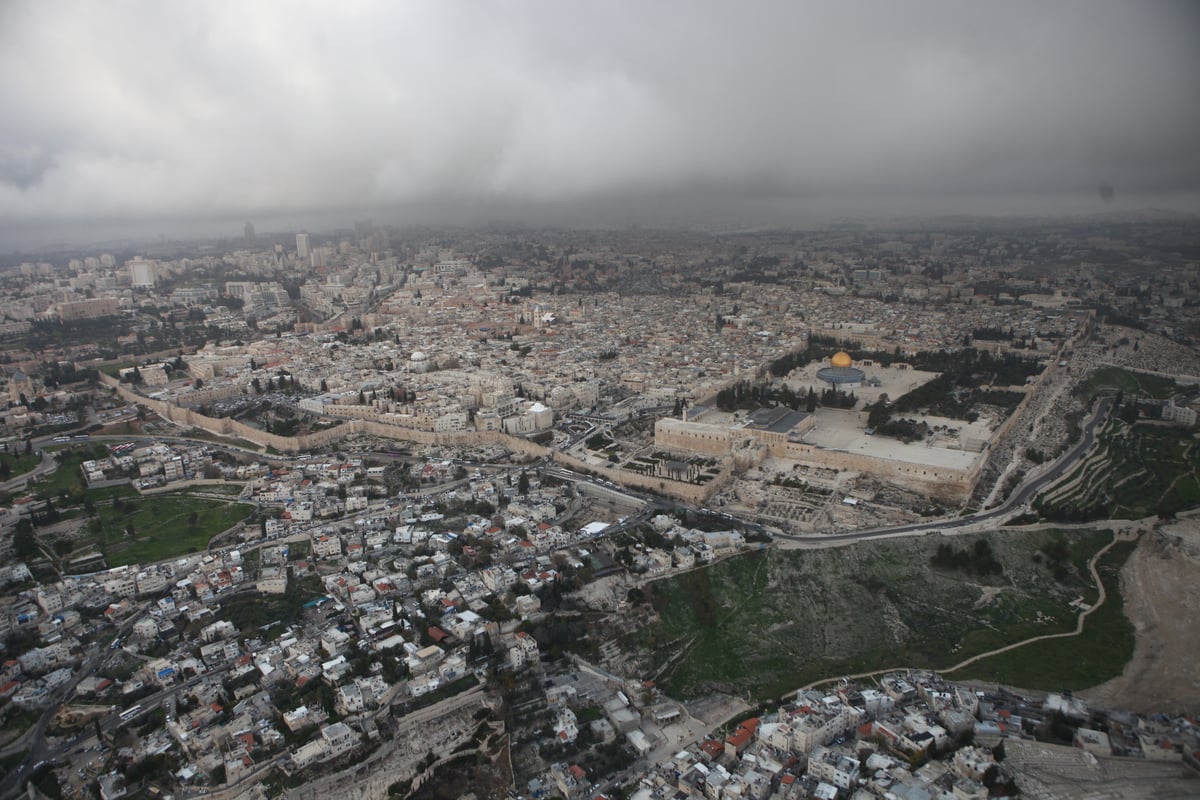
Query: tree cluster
[(979, 560), (745, 395)]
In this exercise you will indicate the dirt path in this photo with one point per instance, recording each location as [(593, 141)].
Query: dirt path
[(1161, 588), (1079, 623)]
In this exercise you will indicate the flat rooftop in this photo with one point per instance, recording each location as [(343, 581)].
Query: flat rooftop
[(776, 420)]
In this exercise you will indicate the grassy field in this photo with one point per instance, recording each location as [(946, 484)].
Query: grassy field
[(1107, 380), (230, 490), (252, 612), (232, 441), (68, 478), (1135, 471), (298, 550), (15, 464), (142, 530), (768, 622), (1095, 656)]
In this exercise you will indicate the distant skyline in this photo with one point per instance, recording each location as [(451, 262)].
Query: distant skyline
[(177, 117)]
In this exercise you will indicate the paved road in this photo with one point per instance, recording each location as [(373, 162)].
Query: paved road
[(47, 465), (40, 750), (35, 738), (1021, 495)]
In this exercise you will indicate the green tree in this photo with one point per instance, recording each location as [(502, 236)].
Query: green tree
[(24, 543), (523, 483), (881, 412)]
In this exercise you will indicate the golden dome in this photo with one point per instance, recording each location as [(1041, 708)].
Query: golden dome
[(841, 359)]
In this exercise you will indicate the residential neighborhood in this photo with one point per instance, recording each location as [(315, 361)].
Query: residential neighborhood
[(399, 502)]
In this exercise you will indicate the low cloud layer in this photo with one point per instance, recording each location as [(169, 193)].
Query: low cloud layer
[(174, 110)]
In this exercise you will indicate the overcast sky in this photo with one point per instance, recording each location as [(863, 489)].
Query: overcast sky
[(158, 110)]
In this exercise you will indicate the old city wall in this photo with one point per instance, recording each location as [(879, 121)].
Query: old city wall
[(946, 484), (515, 444), (225, 427), (293, 444), (674, 434), (1028, 406), (950, 485)]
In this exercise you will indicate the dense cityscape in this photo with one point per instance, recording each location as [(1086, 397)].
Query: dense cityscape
[(395, 509), (685, 400)]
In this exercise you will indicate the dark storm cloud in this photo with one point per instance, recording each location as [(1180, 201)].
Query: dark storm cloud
[(161, 109)]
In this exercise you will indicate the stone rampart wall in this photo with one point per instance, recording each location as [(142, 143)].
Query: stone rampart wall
[(294, 444)]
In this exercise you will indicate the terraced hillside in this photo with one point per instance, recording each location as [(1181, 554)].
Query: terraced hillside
[(1135, 471)]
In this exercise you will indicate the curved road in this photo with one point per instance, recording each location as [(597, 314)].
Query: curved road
[(1021, 495), (1028, 489), (35, 737)]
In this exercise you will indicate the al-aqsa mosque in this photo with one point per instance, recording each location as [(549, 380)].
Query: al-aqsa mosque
[(841, 372), (944, 466)]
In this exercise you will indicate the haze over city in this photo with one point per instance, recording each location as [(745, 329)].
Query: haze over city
[(599, 400), (181, 117)]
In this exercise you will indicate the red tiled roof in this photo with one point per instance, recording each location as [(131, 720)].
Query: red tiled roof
[(742, 735)]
